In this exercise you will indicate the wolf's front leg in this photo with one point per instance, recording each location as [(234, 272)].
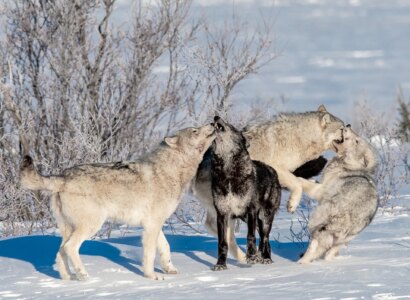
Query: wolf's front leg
[(165, 254), (291, 182), (149, 243), (313, 189), (222, 221)]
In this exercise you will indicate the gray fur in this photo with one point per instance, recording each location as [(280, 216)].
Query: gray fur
[(347, 197)]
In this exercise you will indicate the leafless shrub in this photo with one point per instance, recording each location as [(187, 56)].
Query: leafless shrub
[(299, 230), (75, 88), (379, 128)]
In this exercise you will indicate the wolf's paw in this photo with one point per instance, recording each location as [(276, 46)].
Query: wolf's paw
[(219, 268), (254, 259), (81, 276), (266, 261), (303, 261), (66, 276), (171, 270), (154, 276), (291, 207)]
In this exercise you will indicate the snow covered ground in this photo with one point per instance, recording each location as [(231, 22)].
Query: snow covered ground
[(375, 266)]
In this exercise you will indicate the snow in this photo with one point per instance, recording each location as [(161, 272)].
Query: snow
[(374, 266)]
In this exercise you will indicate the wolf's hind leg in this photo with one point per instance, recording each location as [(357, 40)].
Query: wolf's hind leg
[(72, 246), (252, 256), (321, 242), (62, 258), (265, 219), (165, 254), (314, 251), (65, 230), (332, 253)]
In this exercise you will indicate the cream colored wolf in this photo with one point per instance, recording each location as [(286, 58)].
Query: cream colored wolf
[(347, 197), (285, 144), (143, 192)]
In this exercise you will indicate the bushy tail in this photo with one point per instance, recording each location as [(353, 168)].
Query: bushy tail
[(32, 180), (311, 168)]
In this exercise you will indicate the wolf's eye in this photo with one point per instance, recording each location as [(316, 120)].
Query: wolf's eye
[(195, 131)]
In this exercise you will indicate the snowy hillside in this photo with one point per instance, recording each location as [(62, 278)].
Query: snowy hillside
[(375, 266), (332, 52)]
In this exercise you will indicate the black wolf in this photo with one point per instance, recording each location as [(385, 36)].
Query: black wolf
[(242, 188)]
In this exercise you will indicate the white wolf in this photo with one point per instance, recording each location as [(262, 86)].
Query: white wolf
[(347, 197), (143, 192), (285, 144)]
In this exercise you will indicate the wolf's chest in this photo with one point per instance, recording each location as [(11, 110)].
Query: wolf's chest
[(232, 204)]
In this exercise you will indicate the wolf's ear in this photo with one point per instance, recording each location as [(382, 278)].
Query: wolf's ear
[(172, 141), (322, 108), (325, 119)]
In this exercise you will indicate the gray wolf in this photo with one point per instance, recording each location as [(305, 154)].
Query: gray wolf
[(242, 188), (347, 197), (285, 144), (143, 193)]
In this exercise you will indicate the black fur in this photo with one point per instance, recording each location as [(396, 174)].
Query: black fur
[(242, 188), (311, 168), (27, 162)]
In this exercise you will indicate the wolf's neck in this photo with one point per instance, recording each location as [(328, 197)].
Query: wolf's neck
[(231, 163), (174, 165)]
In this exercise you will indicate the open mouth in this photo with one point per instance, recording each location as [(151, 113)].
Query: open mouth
[(219, 127), (217, 124), (339, 141)]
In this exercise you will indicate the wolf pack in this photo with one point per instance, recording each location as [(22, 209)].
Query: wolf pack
[(236, 174)]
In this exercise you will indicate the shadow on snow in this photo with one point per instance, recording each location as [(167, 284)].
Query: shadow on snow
[(40, 251)]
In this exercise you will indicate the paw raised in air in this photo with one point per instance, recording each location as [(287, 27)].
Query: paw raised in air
[(291, 207)]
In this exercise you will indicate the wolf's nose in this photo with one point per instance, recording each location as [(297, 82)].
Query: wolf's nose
[(348, 125), (216, 118)]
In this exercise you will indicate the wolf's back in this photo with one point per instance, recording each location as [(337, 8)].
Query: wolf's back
[(30, 179)]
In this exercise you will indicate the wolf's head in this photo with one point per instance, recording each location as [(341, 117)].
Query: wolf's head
[(229, 140), (357, 153), (332, 128), (192, 141)]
